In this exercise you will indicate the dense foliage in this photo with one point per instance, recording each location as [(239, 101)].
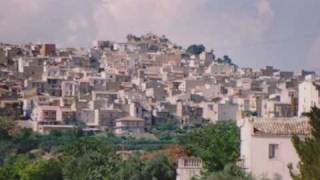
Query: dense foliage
[(84, 158), (216, 144), (196, 49), (77, 155), (230, 172), (308, 149), (225, 60), (6, 126)]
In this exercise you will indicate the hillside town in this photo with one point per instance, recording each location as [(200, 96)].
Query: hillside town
[(129, 88)]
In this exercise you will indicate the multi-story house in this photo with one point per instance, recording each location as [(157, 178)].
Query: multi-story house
[(129, 125), (266, 145), (309, 95)]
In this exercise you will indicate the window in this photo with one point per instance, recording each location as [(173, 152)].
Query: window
[(273, 150)]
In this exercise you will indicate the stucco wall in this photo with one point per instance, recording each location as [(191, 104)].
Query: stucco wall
[(261, 165)]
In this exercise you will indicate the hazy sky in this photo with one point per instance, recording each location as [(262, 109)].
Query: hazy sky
[(283, 33)]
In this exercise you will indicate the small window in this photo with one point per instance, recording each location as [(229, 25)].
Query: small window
[(273, 150)]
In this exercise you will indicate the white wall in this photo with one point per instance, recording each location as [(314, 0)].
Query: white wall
[(227, 112), (308, 97), (261, 165), (255, 154), (220, 112)]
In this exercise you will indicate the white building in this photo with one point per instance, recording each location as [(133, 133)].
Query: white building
[(243, 103), (309, 95), (90, 117), (188, 84), (220, 112), (129, 125), (273, 108), (220, 69), (244, 83), (188, 168), (69, 88), (266, 147), (47, 118)]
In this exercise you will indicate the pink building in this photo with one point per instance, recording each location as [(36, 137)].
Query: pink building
[(266, 147)]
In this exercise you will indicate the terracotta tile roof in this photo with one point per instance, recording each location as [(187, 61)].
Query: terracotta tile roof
[(281, 127)]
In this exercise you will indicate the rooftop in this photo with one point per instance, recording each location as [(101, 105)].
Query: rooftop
[(281, 127)]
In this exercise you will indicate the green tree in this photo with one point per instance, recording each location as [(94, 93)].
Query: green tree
[(56, 139), (6, 148), (130, 169), (42, 169), (308, 149), (230, 172), (90, 158), (24, 168), (6, 126), (26, 140), (12, 169), (196, 49), (216, 144), (158, 168)]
